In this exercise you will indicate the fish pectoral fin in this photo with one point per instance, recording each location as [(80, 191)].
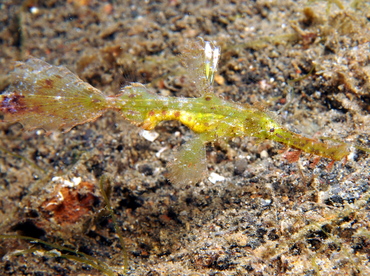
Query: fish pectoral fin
[(190, 164)]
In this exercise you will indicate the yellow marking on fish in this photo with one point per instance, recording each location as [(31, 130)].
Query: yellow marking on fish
[(197, 122)]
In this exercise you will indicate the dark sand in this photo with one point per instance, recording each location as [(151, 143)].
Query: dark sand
[(267, 217)]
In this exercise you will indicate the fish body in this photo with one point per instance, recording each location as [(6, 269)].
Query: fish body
[(52, 97)]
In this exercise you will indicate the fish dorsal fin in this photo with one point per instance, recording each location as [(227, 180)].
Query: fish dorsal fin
[(200, 58)]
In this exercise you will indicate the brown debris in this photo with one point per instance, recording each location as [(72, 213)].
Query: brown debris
[(70, 204)]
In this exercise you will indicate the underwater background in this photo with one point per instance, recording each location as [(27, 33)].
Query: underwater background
[(307, 63)]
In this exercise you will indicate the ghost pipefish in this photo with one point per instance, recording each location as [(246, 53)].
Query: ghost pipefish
[(51, 97)]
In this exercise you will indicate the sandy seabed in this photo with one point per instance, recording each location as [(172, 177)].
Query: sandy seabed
[(266, 216)]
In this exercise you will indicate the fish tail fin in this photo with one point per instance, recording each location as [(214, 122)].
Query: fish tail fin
[(50, 97)]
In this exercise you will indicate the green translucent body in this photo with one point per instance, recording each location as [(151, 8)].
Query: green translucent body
[(49, 97)]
